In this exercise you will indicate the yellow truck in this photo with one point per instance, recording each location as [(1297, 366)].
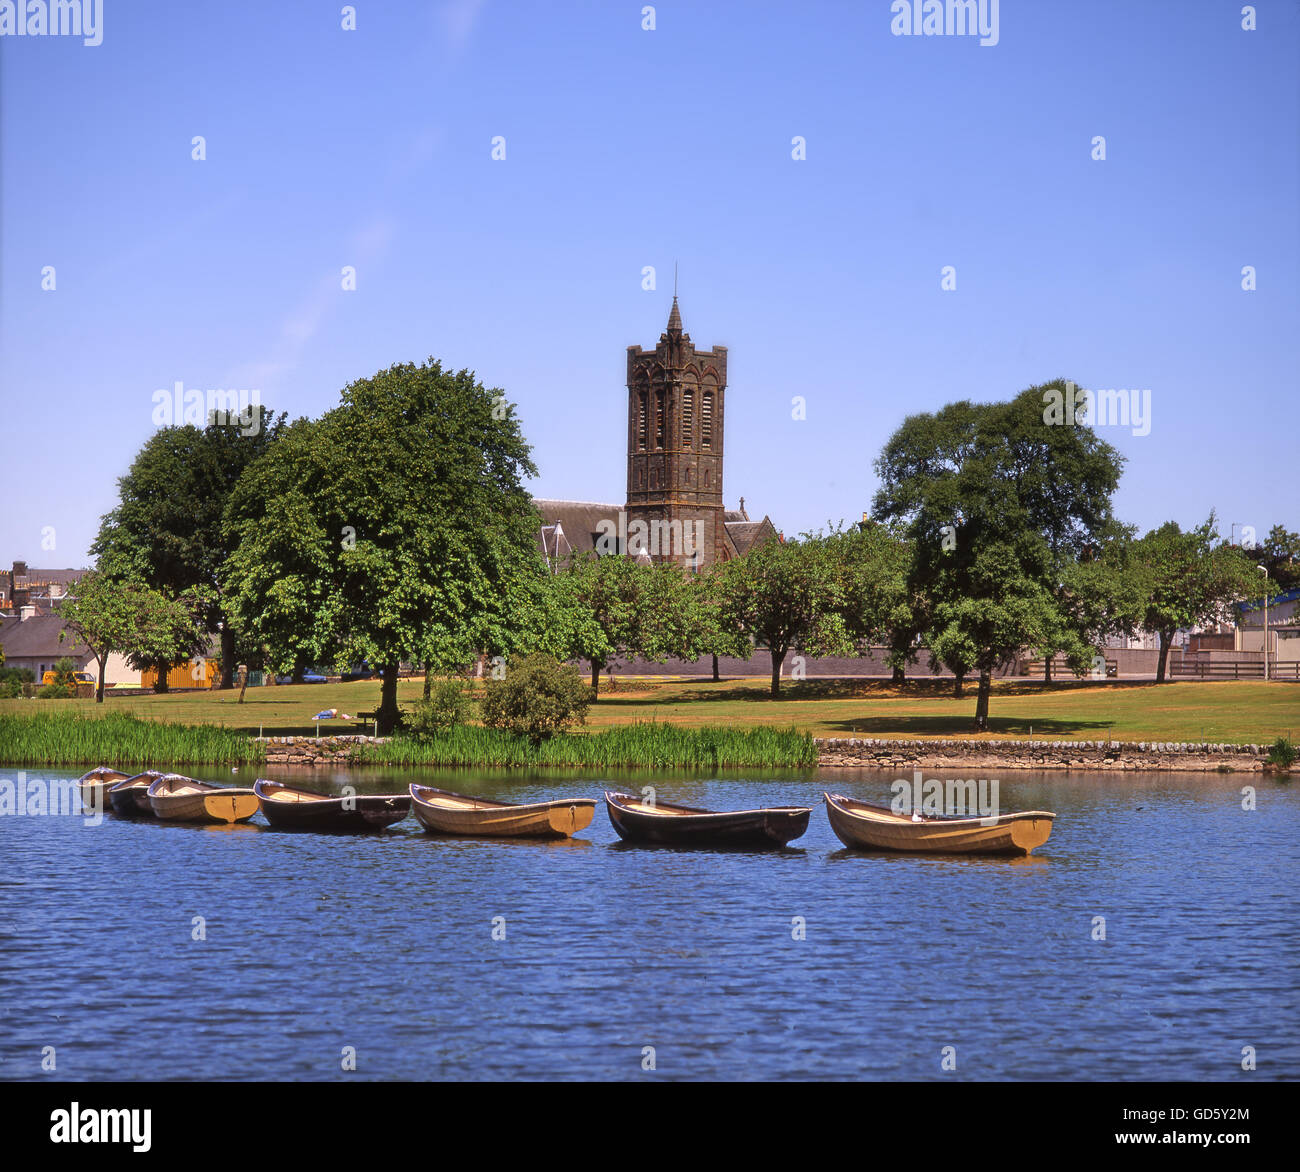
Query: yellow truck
[(80, 677)]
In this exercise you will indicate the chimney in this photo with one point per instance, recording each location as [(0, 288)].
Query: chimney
[(25, 613)]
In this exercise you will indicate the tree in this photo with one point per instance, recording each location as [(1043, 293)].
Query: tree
[(879, 606), (108, 617), (1280, 555), (1188, 581), (406, 503), (537, 698), (786, 596), (996, 500), (167, 529)]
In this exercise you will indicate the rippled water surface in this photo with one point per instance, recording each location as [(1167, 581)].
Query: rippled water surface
[(385, 943)]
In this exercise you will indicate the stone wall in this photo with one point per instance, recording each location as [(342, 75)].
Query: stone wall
[(311, 751), (1039, 754)]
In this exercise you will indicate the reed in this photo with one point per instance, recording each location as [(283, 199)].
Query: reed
[(643, 745), (120, 740)]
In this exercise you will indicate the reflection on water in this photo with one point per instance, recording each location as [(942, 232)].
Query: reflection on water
[(1153, 936)]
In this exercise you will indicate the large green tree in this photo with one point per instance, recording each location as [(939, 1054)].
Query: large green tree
[(996, 500), (408, 502), (1189, 579), (788, 596), (167, 529)]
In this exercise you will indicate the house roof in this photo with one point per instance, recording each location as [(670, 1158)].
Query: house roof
[(579, 522), (39, 636), (746, 534)]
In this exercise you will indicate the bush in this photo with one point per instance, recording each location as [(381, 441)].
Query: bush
[(10, 689), (447, 707), (65, 675), (56, 692), (1282, 754), (17, 675), (538, 697)]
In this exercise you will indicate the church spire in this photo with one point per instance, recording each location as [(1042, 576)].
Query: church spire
[(675, 318)]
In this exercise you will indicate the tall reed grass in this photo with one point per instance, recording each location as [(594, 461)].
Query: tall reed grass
[(119, 739), (648, 745)]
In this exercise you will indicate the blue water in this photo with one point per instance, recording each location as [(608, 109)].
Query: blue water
[(384, 943)]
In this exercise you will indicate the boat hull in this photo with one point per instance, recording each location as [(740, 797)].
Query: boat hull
[(440, 812), (683, 826), (302, 810), (130, 798), (94, 786), (864, 827), (182, 799)]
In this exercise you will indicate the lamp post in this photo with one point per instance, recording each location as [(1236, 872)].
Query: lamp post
[(1264, 570)]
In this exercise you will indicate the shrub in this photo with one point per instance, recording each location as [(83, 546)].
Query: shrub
[(17, 675), (1282, 753), (10, 689), (56, 692), (65, 675), (448, 706), (538, 697)]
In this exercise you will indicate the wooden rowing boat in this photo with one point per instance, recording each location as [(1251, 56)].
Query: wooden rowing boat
[(638, 821), (443, 812), (94, 786), (183, 799), (287, 808), (867, 827), (130, 798)]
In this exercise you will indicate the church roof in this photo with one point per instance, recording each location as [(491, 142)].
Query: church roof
[(747, 534), (579, 523)]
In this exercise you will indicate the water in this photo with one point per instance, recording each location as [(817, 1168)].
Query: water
[(384, 943)]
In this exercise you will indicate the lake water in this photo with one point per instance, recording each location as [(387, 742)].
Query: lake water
[(384, 943)]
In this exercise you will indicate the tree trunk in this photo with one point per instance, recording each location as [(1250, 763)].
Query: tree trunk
[(595, 680), (227, 656), (160, 678), (387, 715), (428, 680), (899, 676), (957, 682), (1166, 638), (99, 686), (1047, 670), (777, 661), (982, 703), (715, 669), (299, 670)]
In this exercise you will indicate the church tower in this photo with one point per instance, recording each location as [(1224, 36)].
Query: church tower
[(675, 398)]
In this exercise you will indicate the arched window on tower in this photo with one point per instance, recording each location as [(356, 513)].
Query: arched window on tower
[(706, 420), (659, 419), (642, 421), (688, 416)]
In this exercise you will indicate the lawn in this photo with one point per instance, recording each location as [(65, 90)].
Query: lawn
[(1222, 711)]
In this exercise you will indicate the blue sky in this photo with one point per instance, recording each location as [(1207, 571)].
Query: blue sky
[(627, 148)]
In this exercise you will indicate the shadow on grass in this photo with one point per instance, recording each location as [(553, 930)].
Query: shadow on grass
[(963, 726)]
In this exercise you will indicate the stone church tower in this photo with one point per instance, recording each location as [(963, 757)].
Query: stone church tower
[(675, 400)]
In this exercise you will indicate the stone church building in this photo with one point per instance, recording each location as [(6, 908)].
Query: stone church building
[(676, 408)]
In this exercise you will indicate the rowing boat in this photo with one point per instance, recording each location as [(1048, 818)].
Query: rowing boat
[(867, 827), (183, 799), (658, 822), (94, 786), (130, 798), (287, 808), (443, 812)]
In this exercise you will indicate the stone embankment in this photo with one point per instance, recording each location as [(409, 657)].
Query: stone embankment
[(333, 750), (876, 753)]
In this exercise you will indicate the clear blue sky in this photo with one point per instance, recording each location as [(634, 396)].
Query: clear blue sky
[(627, 148)]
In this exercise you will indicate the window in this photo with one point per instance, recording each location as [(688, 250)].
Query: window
[(659, 419), (641, 421), (706, 420), (688, 415)]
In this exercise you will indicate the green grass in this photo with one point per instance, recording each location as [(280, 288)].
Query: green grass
[(649, 745), (118, 739), (1234, 711)]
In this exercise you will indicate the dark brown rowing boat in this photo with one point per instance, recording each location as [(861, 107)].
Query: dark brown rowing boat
[(643, 822), (287, 808), (94, 786), (444, 812), (130, 798)]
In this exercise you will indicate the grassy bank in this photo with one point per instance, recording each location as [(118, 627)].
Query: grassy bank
[(65, 737), (649, 745)]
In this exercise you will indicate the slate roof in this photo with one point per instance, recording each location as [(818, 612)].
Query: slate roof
[(39, 636), (579, 522)]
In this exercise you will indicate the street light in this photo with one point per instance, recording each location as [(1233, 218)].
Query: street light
[(1264, 570)]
